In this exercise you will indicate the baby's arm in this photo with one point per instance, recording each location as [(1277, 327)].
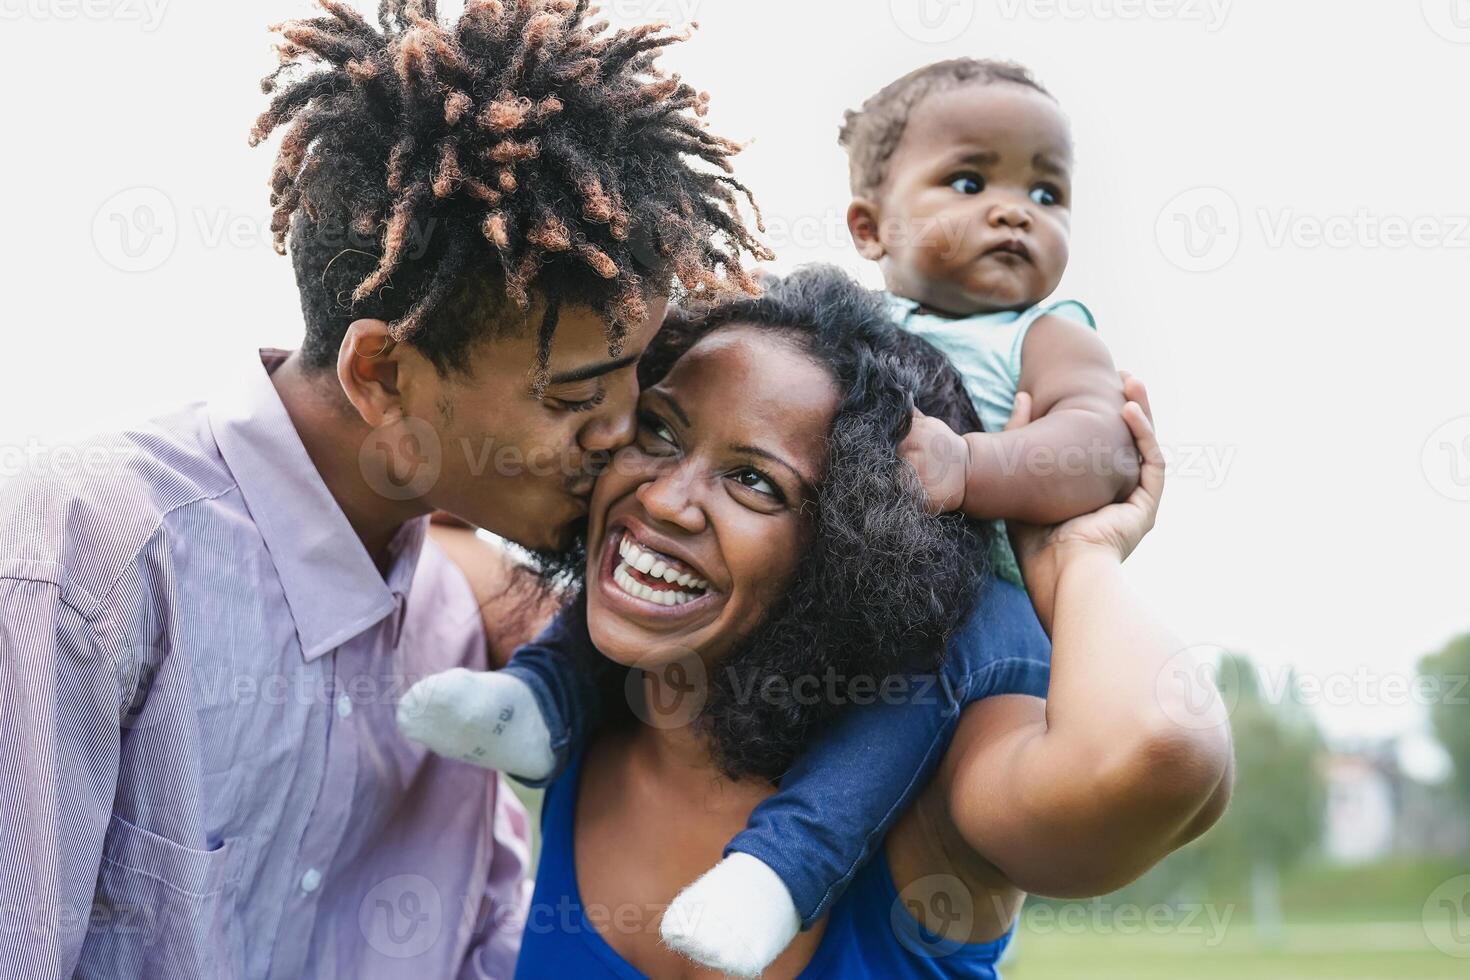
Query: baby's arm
[(1076, 457)]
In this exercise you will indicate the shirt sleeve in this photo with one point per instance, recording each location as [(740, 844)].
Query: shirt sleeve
[(497, 939), (60, 702)]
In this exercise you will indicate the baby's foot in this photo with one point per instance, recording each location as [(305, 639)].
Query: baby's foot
[(488, 718), (737, 918)]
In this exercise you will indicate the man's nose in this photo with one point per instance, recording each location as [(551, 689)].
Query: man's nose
[(614, 423)]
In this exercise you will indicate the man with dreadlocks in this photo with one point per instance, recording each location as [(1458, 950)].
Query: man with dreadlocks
[(202, 653)]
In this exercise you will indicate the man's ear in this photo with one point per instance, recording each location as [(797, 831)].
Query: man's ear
[(862, 224), (367, 368)]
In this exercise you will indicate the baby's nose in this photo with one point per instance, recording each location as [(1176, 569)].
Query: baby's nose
[(1010, 215)]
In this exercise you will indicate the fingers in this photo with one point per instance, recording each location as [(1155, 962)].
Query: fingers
[(1151, 477), (1134, 390), (1020, 411)]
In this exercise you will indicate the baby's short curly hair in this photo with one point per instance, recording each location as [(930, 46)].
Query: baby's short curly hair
[(872, 133), (446, 178)]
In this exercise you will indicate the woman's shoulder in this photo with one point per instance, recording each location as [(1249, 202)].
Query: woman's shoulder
[(951, 897), (891, 923)]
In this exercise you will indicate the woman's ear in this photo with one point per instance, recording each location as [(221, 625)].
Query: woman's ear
[(367, 368), (862, 224)]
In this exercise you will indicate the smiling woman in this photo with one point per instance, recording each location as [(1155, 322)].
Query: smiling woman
[(764, 463)]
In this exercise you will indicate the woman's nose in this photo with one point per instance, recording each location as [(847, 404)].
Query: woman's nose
[(669, 498)]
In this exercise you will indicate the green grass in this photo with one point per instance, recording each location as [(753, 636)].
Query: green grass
[(1365, 923), (1385, 951)]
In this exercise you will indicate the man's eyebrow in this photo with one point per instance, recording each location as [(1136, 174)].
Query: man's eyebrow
[(772, 457), (590, 371)]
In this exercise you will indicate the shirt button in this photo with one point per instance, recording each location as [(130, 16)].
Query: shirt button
[(311, 880), (344, 705)]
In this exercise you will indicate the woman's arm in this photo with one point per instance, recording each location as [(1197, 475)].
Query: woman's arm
[(514, 604), (1128, 758)]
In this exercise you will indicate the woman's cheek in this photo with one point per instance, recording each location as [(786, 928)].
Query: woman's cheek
[(760, 551)]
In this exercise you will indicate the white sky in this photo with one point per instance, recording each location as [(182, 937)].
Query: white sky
[(1298, 381)]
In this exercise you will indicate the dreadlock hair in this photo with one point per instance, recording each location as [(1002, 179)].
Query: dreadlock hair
[(446, 178), (872, 133)]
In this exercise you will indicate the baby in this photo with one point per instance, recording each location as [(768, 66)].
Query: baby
[(961, 193), (961, 182)]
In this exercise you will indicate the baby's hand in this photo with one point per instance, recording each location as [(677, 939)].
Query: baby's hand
[(941, 458)]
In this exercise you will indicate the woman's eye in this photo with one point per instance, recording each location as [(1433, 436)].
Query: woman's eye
[(968, 184), (656, 427), (757, 481), (1046, 196)]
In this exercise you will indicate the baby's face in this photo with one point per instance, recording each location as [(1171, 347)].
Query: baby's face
[(975, 211)]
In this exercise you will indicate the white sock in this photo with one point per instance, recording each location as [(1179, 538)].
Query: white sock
[(484, 717), (737, 918)]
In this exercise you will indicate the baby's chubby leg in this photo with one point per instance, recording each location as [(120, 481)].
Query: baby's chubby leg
[(488, 718), (523, 719), (737, 917)]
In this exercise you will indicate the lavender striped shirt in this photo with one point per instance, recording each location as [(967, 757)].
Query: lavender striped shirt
[(200, 774)]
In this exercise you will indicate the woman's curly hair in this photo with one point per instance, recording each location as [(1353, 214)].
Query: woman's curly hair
[(436, 176), (883, 585)]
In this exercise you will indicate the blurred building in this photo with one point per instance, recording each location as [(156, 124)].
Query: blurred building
[(1376, 810)]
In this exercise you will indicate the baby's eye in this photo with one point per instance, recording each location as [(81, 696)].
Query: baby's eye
[(968, 184), (1046, 195)]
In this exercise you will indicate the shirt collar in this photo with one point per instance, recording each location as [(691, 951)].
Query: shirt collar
[(332, 586), (900, 307)]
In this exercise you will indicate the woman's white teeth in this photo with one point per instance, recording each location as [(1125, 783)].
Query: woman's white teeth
[(651, 564), (664, 597)]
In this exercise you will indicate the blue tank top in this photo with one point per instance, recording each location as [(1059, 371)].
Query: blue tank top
[(870, 933), (986, 351)]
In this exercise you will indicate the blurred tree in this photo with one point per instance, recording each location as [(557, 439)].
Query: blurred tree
[(1276, 810), (1449, 669)]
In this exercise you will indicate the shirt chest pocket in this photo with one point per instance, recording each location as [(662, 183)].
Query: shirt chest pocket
[(162, 909)]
